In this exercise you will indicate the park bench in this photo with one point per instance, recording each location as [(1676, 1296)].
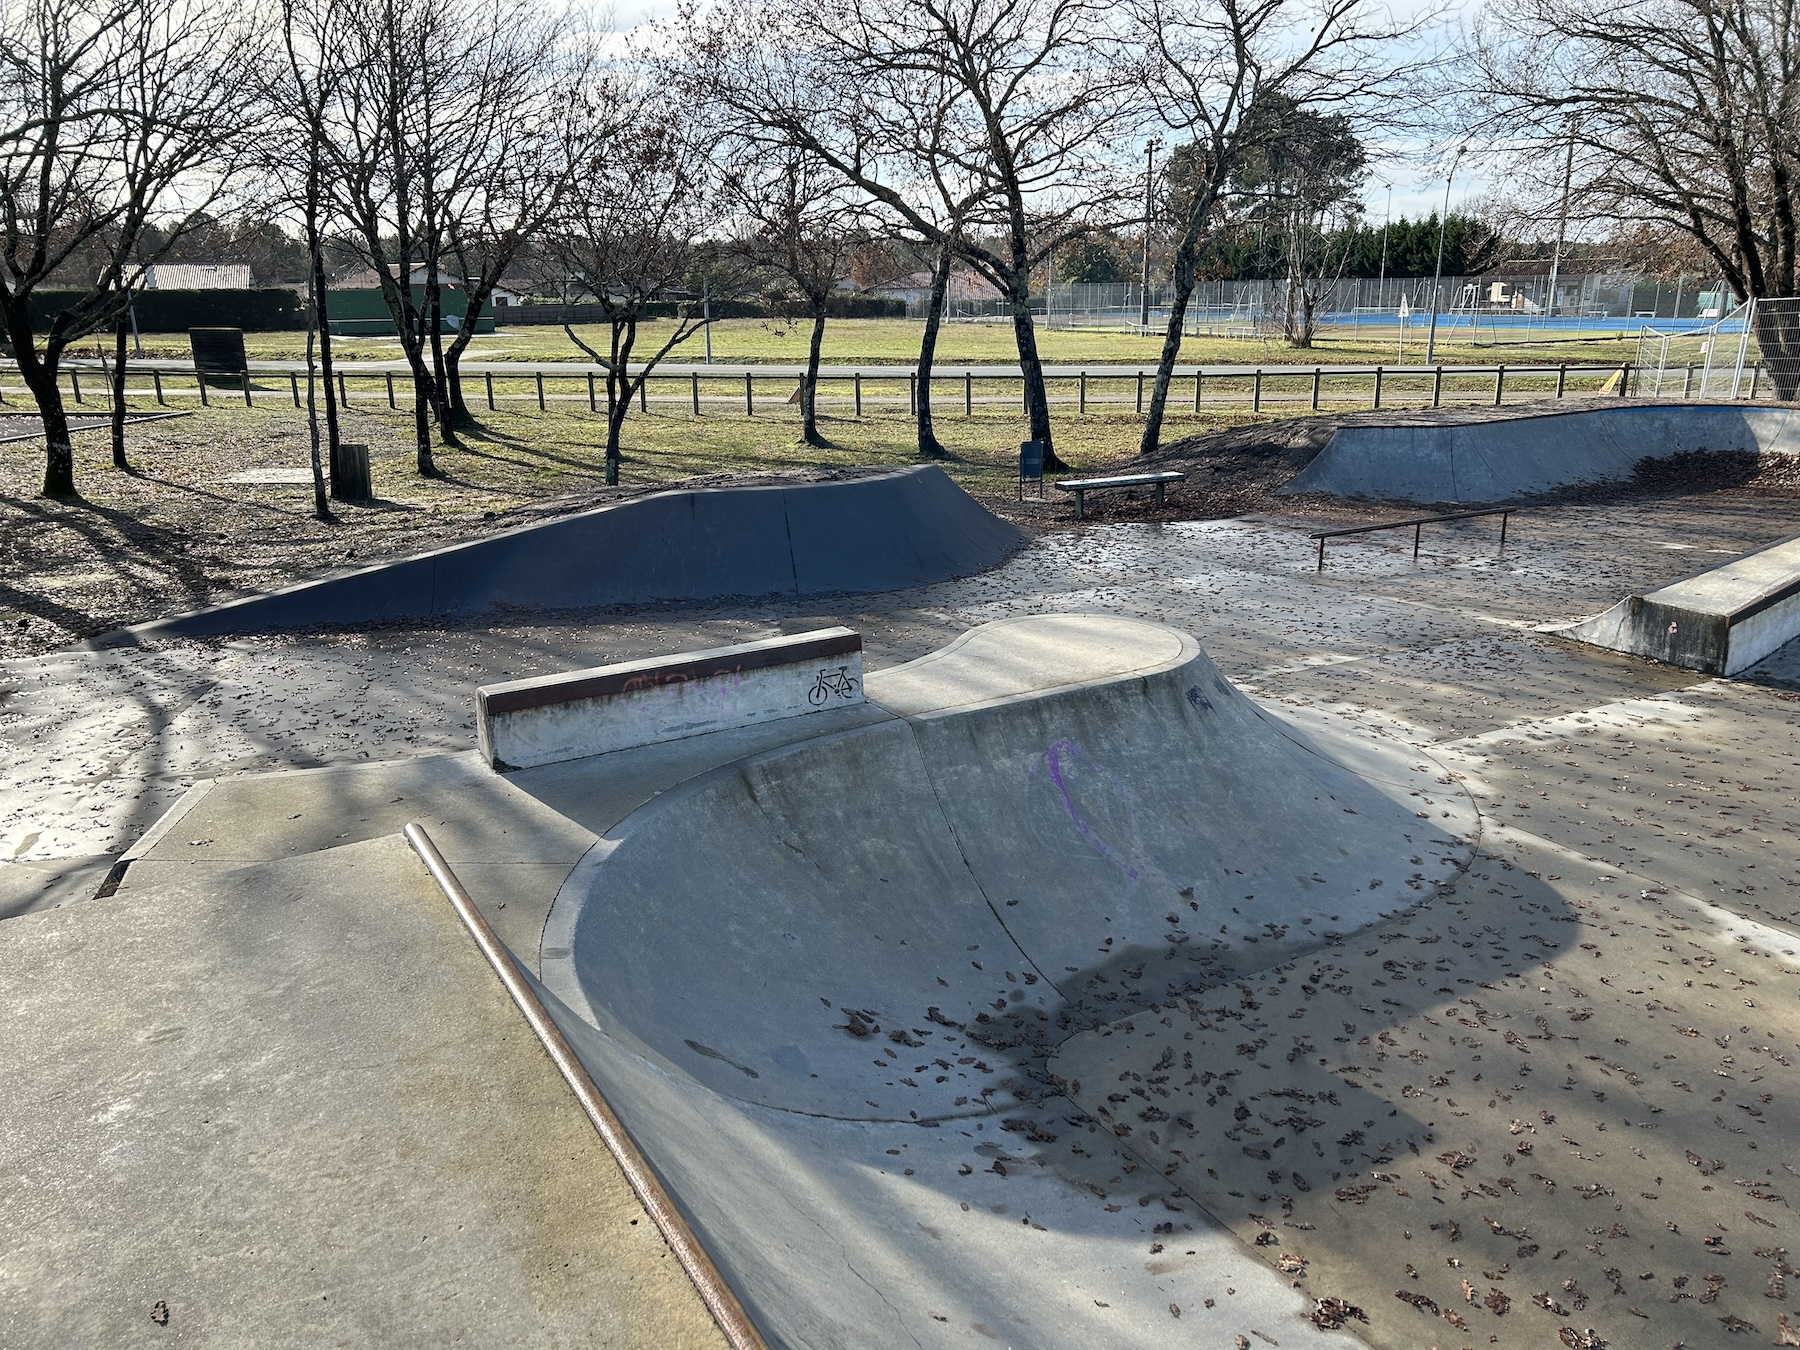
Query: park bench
[(1082, 486)]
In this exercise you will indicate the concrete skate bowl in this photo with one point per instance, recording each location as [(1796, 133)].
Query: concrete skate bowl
[(877, 533), (820, 983), (1520, 458)]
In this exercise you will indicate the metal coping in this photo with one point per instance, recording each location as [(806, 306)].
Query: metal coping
[(1785, 590), (602, 681), (739, 1331), (1767, 600)]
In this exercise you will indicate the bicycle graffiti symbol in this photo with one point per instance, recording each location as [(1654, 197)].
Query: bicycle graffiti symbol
[(836, 682)]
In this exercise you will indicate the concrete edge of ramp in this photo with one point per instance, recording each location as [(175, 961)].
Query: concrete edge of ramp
[(1518, 458), (1719, 620), (882, 532)]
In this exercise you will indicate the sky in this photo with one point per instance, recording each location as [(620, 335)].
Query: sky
[(1404, 179)]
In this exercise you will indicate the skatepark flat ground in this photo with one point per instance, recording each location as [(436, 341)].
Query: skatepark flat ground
[(1606, 769)]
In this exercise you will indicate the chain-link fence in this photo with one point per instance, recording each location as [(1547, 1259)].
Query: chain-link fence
[(1478, 306)]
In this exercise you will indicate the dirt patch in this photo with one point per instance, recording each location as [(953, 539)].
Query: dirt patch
[(1240, 470)]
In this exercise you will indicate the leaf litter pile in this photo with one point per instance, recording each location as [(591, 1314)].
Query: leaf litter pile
[(1541, 1109)]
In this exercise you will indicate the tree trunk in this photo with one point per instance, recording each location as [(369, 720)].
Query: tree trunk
[(422, 401), (1037, 401), (341, 486), (809, 392), (320, 508), (929, 445), (1184, 280), (618, 394), (1778, 337), (39, 374), (434, 335), (459, 411), (121, 332)]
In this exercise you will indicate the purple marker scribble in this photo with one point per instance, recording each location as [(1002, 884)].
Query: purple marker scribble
[(1053, 761)]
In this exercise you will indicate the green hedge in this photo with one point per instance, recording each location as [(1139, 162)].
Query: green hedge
[(255, 311)]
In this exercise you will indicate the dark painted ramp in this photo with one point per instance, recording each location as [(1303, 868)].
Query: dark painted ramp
[(1477, 463), (883, 532)]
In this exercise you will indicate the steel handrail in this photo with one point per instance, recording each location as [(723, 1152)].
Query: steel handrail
[(733, 1321), (1417, 525)]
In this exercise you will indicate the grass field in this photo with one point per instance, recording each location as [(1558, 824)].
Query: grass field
[(875, 342)]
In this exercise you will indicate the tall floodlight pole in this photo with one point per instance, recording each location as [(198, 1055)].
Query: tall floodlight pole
[(1562, 221), (1150, 148), (1381, 286), (1438, 276)]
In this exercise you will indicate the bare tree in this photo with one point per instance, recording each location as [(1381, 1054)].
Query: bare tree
[(113, 114), (433, 97), (797, 223), (543, 109), (302, 91), (1209, 67), (1003, 106), (1303, 180), (1678, 114), (629, 233)]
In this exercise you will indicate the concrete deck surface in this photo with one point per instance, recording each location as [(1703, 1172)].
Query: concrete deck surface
[(291, 1105)]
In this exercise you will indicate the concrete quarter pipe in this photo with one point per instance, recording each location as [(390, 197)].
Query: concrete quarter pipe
[(1510, 459), (876, 533), (820, 983)]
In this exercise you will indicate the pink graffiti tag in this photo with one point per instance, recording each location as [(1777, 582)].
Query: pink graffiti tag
[(1053, 760)]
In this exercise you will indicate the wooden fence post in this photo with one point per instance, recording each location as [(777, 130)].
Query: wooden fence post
[(1318, 378), (540, 390), (1377, 386), (390, 389), (1437, 387), (749, 400)]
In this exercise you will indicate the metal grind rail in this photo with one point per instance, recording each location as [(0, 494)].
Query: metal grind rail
[(1417, 526), (739, 1331)]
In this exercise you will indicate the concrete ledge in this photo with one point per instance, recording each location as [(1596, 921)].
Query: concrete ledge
[(1720, 620), (525, 723)]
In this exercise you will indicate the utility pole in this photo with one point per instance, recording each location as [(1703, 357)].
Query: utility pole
[(1381, 286), (1438, 276), (1150, 148), (1562, 221)]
